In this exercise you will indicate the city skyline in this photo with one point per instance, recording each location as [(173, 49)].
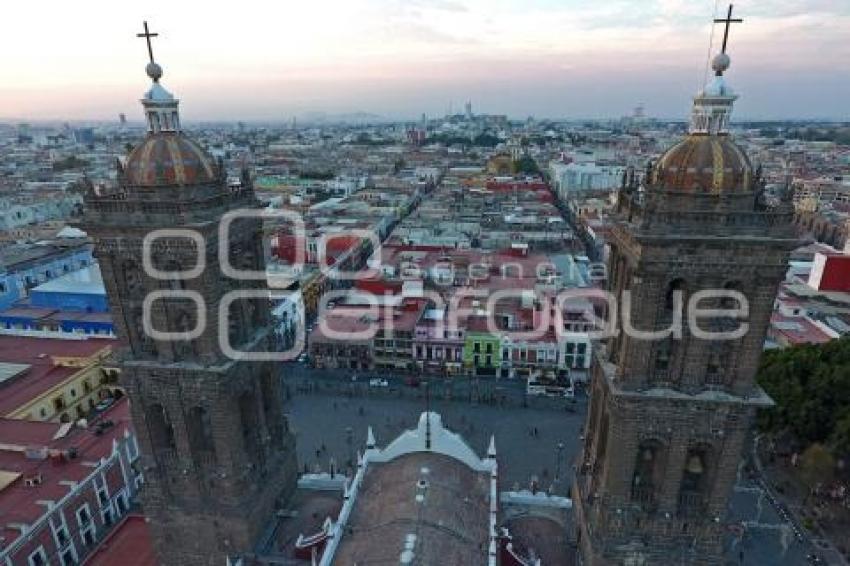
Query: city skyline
[(400, 59)]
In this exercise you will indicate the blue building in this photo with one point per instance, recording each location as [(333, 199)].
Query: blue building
[(25, 266), (74, 303)]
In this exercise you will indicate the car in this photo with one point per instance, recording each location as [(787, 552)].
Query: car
[(105, 404), (378, 382), (302, 358), (412, 382)]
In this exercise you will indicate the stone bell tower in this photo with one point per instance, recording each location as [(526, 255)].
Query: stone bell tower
[(671, 414), (218, 456)]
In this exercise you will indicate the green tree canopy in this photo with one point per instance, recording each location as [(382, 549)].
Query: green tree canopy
[(527, 165), (811, 387)]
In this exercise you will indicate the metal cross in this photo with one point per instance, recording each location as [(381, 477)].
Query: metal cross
[(727, 20), (148, 35)]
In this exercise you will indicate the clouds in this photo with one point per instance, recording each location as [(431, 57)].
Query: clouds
[(274, 57)]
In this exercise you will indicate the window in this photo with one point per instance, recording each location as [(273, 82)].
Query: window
[(84, 516), (88, 536), (68, 557), (199, 428), (61, 534), (38, 558), (121, 503), (161, 431), (107, 516), (102, 492)]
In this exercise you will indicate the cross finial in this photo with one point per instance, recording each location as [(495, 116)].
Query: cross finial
[(148, 35), (727, 20)]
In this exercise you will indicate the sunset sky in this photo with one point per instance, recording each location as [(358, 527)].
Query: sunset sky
[(252, 60)]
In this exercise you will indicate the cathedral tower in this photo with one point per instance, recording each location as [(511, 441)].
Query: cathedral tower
[(670, 415), (218, 456)]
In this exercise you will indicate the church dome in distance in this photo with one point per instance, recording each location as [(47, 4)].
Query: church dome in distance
[(169, 158), (704, 164)]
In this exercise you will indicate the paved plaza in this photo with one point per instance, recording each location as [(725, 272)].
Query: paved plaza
[(523, 453)]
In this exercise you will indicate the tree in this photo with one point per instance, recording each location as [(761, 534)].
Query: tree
[(817, 465), (811, 387), (526, 165), (840, 437), (486, 139)]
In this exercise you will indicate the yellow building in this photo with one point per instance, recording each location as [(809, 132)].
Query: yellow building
[(501, 164), (49, 379)]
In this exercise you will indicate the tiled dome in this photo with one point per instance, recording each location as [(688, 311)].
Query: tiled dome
[(704, 164), (169, 158)]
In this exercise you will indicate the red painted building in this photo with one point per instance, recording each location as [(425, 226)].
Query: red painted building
[(64, 487), (830, 272)]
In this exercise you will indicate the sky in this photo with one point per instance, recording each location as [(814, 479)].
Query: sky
[(270, 60)]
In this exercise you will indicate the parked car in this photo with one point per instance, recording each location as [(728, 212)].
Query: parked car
[(378, 382), (412, 381)]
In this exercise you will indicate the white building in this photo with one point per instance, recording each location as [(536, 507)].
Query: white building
[(570, 177)]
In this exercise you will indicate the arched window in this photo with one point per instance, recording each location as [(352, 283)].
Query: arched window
[(155, 122), (199, 430), (694, 488), (648, 474), (248, 408), (160, 429), (131, 279)]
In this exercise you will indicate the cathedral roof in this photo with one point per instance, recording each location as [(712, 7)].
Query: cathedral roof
[(703, 163), (169, 158)]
